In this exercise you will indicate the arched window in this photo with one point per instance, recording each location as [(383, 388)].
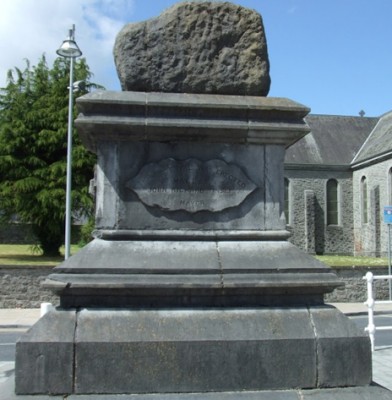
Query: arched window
[(364, 200), (287, 200), (332, 202)]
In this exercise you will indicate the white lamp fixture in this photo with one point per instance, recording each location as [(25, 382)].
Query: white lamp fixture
[(69, 49)]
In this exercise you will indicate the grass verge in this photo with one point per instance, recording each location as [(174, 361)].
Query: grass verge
[(27, 256), (336, 261)]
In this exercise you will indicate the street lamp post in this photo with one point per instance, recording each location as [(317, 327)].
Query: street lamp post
[(69, 49)]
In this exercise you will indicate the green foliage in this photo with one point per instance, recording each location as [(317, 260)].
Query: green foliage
[(33, 150), (86, 232)]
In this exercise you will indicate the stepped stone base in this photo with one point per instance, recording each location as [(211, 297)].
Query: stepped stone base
[(190, 273), (188, 351)]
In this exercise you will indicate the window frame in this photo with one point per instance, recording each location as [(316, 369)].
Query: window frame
[(336, 221), (389, 186), (287, 200), (364, 200)]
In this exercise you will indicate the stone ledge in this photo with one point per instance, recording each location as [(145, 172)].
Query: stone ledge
[(165, 117), (214, 272)]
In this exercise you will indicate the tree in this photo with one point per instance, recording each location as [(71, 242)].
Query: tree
[(33, 150)]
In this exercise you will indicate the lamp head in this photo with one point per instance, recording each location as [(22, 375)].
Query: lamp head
[(69, 48), (79, 86)]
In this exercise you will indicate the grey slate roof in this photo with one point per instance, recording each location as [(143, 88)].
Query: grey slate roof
[(333, 140), (379, 141)]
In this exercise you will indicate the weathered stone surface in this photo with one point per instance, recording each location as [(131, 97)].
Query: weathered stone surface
[(177, 351), (44, 356), (130, 130), (195, 47), (191, 185), (187, 351), (159, 273), (343, 350)]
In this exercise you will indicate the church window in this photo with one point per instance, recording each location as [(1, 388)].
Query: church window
[(287, 200), (364, 200), (332, 202)]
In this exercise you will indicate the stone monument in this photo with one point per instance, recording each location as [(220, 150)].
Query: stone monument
[(190, 288)]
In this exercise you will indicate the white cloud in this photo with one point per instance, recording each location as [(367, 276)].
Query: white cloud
[(30, 28)]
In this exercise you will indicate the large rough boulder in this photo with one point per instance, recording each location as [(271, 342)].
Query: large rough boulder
[(195, 47)]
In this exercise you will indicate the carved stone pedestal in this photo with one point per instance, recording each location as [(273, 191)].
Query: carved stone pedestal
[(190, 288)]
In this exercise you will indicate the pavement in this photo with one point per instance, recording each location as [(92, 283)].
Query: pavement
[(18, 318), (24, 318)]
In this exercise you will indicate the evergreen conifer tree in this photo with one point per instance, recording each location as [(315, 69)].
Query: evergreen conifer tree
[(33, 150)]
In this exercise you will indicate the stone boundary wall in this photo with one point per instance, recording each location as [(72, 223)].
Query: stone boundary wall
[(16, 233), (354, 290), (21, 287)]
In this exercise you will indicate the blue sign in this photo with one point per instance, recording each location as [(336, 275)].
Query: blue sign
[(388, 214)]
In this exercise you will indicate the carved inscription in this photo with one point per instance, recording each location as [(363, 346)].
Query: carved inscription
[(191, 185)]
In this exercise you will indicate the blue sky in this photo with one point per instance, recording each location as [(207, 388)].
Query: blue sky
[(334, 56)]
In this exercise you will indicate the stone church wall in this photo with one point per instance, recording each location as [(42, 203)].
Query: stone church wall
[(371, 238), (307, 204)]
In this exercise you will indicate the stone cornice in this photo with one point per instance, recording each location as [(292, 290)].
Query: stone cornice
[(138, 116)]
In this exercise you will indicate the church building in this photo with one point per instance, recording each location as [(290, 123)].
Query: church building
[(338, 179)]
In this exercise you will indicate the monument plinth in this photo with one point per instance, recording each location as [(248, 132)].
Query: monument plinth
[(189, 204), (190, 286)]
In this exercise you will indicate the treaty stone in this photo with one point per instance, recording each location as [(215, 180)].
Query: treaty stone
[(195, 47), (190, 272)]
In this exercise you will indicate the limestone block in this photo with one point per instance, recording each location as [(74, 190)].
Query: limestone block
[(195, 47), (180, 351), (44, 356)]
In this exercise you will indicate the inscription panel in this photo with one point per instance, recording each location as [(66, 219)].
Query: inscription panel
[(191, 185)]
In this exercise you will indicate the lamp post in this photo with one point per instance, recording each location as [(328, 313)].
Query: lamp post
[(69, 49)]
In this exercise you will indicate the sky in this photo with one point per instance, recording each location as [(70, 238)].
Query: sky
[(333, 56)]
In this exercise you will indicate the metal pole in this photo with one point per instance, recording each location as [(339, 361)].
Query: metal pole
[(371, 328), (69, 166), (69, 49), (389, 261)]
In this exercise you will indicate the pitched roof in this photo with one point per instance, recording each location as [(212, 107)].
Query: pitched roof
[(333, 140), (379, 141)]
